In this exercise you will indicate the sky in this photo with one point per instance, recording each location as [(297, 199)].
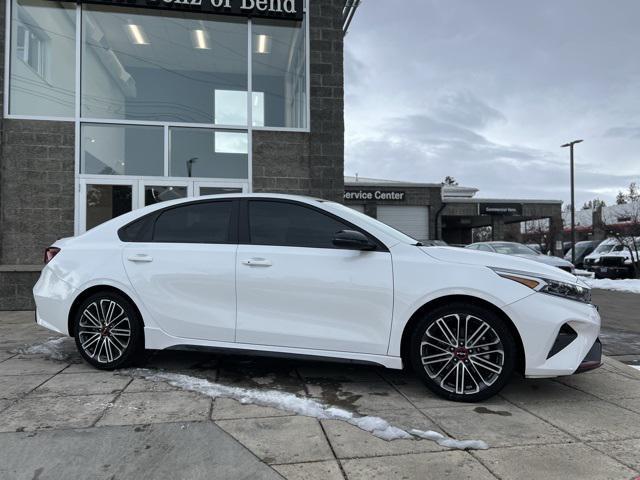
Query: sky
[(487, 91)]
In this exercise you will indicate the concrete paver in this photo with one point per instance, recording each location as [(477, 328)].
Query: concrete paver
[(10, 387), (591, 420), (194, 451), (149, 407), (625, 451), (458, 465), (33, 413), (604, 384), (504, 425), (281, 439), (23, 365), (360, 397), (94, 383), (544, 462), (325, 470)]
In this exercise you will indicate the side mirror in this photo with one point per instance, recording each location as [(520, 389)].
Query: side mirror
[(353, 240)]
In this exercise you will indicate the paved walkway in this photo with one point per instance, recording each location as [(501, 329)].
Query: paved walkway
[(620, 312), (62, 419)]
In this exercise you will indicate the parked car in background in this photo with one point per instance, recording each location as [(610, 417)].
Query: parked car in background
[(618, 263), (565, 247), (603, 248), (301, 276), (536, 247), (520, 250), (582, 250)]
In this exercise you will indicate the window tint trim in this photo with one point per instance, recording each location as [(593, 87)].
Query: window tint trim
[(244, 228), (151, 218)]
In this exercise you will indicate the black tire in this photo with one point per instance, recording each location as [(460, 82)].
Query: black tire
[(479, 367), (101, 324)]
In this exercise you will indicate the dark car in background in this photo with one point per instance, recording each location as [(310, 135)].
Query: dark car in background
[(520, 250), (582, 250)]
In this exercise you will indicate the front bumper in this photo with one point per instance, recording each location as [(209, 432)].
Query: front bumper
[(613, 272), (593, 359), (539, 319)]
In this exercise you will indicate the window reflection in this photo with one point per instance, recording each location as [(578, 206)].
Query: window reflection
[(163, 66)]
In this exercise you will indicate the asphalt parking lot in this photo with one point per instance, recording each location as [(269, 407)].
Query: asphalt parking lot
[(59, 418)]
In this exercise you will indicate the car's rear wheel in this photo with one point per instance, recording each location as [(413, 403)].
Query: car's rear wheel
[(108, 331), (463, 352)]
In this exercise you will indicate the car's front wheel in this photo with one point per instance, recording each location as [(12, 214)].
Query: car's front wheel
[(463, 352), (108, 331)]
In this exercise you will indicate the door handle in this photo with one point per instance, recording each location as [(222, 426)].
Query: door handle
[(140, 257), (257, 262)]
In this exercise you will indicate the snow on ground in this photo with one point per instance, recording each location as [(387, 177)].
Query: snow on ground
[(583, 273), (53, 348), (302, 406), (631, 285)]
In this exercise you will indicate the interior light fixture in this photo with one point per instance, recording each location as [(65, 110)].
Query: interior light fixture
[(263, 43), (137, 34), (200, 39)]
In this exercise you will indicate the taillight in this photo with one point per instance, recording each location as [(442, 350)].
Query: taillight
[(49, 253)]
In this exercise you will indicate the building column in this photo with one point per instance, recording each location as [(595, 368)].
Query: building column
[(555, 234), (497, 228)]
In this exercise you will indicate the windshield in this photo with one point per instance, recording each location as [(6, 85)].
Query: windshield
[(603, 248), (397, 234), (580, 249), (513, 249)]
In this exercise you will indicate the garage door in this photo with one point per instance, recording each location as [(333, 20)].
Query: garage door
[(359, 208), (414, 221)]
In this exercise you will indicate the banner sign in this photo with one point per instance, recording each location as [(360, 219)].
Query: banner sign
[(364, 195), (501, 209), (276, 9)]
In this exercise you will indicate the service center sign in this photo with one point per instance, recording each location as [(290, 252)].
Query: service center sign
[(284, 9), (501, 209), (364, 195)]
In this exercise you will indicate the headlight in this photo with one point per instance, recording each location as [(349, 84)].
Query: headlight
[(571, 291), (627, 261), (597, 260)]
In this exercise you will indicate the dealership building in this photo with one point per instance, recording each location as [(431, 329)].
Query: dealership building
[(112, 105)]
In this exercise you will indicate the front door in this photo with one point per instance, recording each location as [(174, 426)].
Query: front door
[(185, 274), (295, 289)]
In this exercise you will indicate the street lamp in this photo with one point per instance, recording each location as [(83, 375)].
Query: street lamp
[(573, 203)]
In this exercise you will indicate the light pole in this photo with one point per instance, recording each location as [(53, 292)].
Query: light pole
[(573, 203)]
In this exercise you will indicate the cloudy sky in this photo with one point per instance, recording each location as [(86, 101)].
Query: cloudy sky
[(487, 91)]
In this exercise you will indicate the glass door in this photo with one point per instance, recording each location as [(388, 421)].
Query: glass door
[(104, 199), (156, 191)]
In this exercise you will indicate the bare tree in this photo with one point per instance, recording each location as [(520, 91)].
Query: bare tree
[(481, 234), (626, 228)]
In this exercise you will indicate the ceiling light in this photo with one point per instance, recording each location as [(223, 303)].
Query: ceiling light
[(137, 34), (200, 39), (263, 43)]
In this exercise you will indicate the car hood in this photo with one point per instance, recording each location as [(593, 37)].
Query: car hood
[(498, 260)]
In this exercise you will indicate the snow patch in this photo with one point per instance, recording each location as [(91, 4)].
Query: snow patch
[(53, 349), (302, 406), (631, 285)]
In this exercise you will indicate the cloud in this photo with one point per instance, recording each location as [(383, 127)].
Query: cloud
[(623, 132)]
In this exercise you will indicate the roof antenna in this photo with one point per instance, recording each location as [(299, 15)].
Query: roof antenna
[(356, 176)]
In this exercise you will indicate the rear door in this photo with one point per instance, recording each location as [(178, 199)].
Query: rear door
[(296, 289), (183, 268)]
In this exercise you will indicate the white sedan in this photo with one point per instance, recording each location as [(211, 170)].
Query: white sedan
[(300, 276)]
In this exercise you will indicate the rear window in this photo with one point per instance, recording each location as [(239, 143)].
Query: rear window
[(194, 223)]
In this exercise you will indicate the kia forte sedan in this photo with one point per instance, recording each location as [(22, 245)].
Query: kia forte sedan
[(293, 275)]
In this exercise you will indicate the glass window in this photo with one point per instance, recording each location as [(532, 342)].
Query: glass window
[(105, 202), (199, 152), (218, 190), (165, 66), (156, 194), (484, 248), (289, 224), (42, 80), (122, 150), (279, 74), (195, 223)]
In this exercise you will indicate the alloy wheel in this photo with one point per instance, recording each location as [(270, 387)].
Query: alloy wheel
[(462, 353), (104, 331)]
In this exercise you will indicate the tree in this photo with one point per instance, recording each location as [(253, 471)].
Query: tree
[(481, 234), (450, 181), (631, 195), (593, 204), (627, 233)]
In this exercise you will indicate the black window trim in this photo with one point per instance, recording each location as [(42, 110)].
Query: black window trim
[(244, 236), (151, 219)]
